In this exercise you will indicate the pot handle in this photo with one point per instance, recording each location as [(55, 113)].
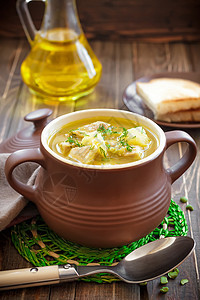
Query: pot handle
[(16, 159), (183, 164)]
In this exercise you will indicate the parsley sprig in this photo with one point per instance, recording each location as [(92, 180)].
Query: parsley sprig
[(72, 140), (123, 141), (105, 131), (103, 152)]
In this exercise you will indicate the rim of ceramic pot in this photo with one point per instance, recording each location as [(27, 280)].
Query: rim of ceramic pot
[(55, 125)]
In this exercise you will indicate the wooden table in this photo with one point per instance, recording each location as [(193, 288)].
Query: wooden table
[(122, 63)]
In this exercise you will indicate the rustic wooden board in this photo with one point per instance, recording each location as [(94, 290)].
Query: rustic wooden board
[(12, 54), (175, 57), (122, 63), (190, 180), (149, 58)]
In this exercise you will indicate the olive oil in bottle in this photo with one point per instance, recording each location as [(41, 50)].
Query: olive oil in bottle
[(61, 65)]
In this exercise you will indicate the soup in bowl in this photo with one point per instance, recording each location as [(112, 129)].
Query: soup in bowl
[(103, 141), (102, 181)]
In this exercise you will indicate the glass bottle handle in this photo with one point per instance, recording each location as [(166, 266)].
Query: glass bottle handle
[(25, 18)]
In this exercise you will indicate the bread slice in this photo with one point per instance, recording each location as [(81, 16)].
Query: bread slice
[(181, 116), (170, 95)]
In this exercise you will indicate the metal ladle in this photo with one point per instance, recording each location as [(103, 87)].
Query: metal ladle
[(143, 264)]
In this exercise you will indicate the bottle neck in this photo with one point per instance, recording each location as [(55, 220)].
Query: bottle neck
[(60, 19)]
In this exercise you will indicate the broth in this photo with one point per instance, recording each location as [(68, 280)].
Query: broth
[(103, 141)]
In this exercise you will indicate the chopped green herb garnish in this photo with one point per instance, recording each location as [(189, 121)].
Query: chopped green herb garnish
[(125, 132), (173, 274), (128, 147), (164, 290), (81, 132), (103, 130), (189, 207), (183, 199), (72, 130), (110, 130), (123, 141), (143, 283), (163, 280), (184, 281), (71, 140), (108, 146), (103, 152)]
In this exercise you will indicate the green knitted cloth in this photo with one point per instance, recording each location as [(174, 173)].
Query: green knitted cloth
[(42, 247)]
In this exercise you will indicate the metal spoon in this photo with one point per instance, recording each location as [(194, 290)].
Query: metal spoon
[(145, 263)]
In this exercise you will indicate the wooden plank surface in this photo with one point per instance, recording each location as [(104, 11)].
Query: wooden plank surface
[(119, 19), (122, 63), (12, 54), (177, 58)]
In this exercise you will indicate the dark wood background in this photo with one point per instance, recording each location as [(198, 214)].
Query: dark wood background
[(155, 20)]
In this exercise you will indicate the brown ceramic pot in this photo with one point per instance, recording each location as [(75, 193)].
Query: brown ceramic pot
[(102, 206)]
